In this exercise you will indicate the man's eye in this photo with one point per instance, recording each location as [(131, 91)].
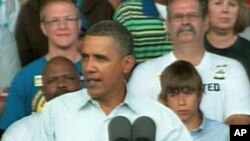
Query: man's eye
[(71, 18), (84, 57), (70, 77), (49, 80)]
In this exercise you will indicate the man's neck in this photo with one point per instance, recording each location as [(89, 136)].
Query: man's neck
[(109, 102), (71, 53), (192, 53)]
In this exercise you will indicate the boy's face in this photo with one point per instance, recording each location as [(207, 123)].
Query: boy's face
[(185, 104)]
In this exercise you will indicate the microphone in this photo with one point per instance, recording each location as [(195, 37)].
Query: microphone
[(119, 129), (143, 129)]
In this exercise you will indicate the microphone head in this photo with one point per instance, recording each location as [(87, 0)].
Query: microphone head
[(119, 129), (143, 129)]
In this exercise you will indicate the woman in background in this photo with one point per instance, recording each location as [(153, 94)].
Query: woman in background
[(227, 19)]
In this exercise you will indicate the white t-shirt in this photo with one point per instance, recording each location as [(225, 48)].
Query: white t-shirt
[(226, 86), (23, 129)]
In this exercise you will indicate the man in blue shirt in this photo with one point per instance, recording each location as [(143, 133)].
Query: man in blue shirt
[(61, 24)]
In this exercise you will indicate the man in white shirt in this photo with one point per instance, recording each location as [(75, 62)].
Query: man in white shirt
[(227, 91), (85, 115)]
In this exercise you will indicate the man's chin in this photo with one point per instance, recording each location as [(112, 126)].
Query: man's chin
[(58, 93), (186, 39), (94, 94)]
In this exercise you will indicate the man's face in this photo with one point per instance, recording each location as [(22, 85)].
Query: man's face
[(59, 79), (186, 23), (61, 24), (103, 67)]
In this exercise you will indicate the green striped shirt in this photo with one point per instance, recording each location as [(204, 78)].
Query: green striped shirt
[(149, 33)]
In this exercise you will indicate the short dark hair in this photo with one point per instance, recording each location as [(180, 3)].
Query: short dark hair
[(203, 8), (178, 77), (115, 30)]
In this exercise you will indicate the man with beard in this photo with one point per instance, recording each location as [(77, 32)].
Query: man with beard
[(59, 76), (225, 82)]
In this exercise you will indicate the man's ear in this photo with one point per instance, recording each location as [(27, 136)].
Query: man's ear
[(42, 26), (128, 63)]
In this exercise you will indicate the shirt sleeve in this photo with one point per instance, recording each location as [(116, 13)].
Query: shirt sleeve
[(144, 83), (238, 93)]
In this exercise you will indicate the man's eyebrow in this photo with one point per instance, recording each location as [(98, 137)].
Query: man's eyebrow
[(101, 56)]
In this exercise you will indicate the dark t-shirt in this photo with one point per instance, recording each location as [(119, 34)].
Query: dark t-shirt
[(239, 50)]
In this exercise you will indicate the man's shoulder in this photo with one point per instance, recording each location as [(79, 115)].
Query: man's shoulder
[(68, 100), (23, 124), (147, 106), (34, 67), (219, 59), (213, 124), (157, 63)]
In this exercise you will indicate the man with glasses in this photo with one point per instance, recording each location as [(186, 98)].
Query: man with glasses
[(225, 82), (60, 23)]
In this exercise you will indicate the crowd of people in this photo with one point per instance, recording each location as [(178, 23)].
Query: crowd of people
[(68, 67)]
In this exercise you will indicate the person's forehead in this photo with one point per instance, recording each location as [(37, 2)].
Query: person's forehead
[(55, 8), (98, 43), (59, 66), (185, 6), (59, 74)]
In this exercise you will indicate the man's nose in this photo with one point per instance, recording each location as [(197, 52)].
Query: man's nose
[(62, 23), (89, 66), (61, 82), (185, 19)]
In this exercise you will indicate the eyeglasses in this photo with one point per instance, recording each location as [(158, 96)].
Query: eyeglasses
[(57, 20), (189, 16)]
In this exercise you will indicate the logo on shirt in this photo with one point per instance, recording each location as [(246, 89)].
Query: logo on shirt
[(211, 87), (220, 72), (38, 102), (38, 81)]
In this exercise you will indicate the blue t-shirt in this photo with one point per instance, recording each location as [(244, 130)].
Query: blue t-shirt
[(22, 92)]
